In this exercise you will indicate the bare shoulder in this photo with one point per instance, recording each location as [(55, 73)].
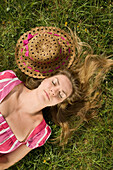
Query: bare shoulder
[(39, 117), (9, 102)]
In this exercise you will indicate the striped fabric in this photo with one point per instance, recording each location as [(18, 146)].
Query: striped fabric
[(8, 141)]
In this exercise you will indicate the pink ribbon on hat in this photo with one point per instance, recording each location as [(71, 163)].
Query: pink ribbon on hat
[(27, 51), (25, 42)]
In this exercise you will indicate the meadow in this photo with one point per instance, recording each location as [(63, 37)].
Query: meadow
[(91, 146)]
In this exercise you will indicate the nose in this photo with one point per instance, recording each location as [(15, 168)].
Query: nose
[(54, 91)]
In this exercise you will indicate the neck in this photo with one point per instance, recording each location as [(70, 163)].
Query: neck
[(29, 101)]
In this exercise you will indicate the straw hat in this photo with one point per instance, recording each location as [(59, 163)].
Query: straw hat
[(44, 50)]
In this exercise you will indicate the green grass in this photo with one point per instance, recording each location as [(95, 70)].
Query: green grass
[(91, 146)]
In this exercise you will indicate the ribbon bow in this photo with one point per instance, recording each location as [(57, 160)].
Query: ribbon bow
[(25, 42)]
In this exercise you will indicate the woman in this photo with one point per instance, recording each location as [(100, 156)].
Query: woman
[(42, 53), (22, 126)]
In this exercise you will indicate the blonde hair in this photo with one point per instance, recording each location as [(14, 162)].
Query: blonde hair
[(86, 75)]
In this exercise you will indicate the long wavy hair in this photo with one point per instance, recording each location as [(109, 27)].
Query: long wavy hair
[(86, 75)]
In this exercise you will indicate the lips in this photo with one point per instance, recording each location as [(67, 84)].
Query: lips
[(47, 95)]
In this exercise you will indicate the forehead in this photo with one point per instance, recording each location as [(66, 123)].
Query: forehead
[(65, 83)]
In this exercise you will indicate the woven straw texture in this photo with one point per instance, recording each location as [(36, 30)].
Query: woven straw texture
[(46, 51)]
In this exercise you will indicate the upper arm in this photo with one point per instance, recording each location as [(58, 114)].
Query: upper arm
[(15, 156)]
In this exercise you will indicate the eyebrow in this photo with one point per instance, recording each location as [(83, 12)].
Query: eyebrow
[(59, 84)]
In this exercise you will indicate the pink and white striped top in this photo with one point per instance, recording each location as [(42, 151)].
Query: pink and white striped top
[(8, 141)]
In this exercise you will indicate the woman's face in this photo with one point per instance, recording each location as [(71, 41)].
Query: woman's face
[(55, 89)]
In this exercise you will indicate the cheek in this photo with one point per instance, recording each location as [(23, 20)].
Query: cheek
[(45, 83), (58, 100)]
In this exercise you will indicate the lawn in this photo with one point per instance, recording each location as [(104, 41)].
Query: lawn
[(91, 146)]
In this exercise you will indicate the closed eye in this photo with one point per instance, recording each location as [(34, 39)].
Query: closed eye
[(62, 95), (54, 81)]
